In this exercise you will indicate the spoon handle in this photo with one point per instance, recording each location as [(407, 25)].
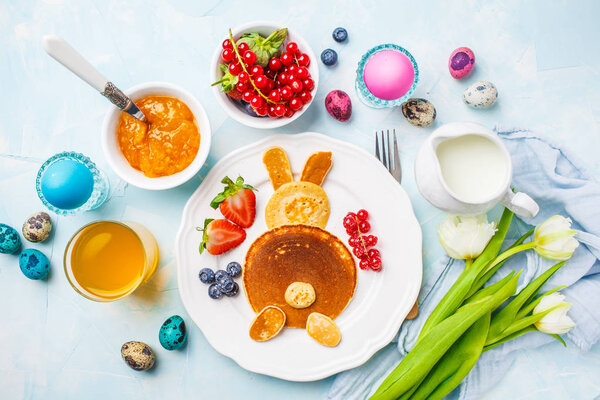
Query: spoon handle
[(62, 52)]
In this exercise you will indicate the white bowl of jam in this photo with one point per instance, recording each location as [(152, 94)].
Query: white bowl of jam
[(165, 152)]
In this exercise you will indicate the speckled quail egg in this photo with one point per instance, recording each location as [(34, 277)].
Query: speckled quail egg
[(419, 112), (481, 94), (37, 227), (172, 333), (138, 355), (10, 242), (34, 264)]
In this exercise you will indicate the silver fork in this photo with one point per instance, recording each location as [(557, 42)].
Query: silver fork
[(390, 159)]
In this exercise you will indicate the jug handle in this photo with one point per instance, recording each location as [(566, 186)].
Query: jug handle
[(520, 203)]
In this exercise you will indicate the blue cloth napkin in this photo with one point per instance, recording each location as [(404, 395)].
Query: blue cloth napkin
[(560, 186)]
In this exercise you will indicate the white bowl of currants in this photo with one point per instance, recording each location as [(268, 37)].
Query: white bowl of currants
[(275, 81)]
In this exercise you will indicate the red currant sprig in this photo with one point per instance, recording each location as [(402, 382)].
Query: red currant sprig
[(357, 225)]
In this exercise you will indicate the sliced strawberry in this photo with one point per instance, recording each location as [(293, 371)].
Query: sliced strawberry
[(236, 202), (220, 236), (235, 94)]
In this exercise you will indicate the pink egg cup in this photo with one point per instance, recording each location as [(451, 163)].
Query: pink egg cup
[(386, 76)]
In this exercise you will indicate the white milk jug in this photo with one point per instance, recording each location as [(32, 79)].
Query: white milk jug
[(464, 168)]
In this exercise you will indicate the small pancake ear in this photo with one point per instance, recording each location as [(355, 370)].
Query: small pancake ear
[(316, 168), (278, 167)]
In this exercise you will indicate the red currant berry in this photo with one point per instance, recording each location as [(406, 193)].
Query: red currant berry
[(296, 103), (269, 73), (287, 59), (249, 57), (262, 111), (275, 96), (303, 60), (349, 222), (370, 240), (286, 93), (364, 264), (305, 97), (291, 48), (275, 64), (241, 86), (247, 96), (282, 78), (227, 55), (363, 215), (375, 264), (374, 253), (261, 81), (292, 69), (351, 214), (288, 113), (242, 47), (280, 110), (349, 231), (364, 226), (257, 102), (234, 68), (257, 71), (358, 251), (271, 112), (291, 77), (309, 84), (353, 241), (270, 84), (296, 86), (302, 73), (243, 76), (227, 44)]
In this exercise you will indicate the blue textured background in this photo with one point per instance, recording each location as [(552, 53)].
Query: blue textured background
[(544, 57)]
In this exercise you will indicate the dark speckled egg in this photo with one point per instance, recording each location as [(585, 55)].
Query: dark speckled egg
[(461, 62), (10, 242), (172, 334), (419, 112), (37, 227), (339, 105), (34, 264), (138, 355)]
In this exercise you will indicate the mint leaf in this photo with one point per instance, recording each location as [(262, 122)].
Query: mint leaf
[(264, 48)]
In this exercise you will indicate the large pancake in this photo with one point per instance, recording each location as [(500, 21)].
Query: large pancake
[(299, 253)]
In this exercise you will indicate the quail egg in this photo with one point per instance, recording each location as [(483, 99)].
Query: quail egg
[(419, 112), (172, 333), (10, 242), (34, 264), (138, 355), (481, 94), (37, 227)]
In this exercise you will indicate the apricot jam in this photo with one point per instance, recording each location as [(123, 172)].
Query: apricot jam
[(165, 145)]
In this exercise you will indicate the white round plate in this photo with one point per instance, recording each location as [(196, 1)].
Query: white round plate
[(381, 300)]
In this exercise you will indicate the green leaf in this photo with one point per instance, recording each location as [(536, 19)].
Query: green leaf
[(557, 337), (530, 306), (204, 234), (491, 289), (530, 328), (264, 48), (229, 190)]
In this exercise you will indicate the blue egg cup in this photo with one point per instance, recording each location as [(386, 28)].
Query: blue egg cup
[(99, 194), (363, 92)]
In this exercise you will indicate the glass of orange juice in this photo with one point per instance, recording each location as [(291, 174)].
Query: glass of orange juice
[(108, 260)]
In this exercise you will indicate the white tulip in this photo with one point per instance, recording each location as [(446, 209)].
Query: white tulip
[(465, 238), (554, 238), (556, 321)]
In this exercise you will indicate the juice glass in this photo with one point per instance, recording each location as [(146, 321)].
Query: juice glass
[(108, 260)]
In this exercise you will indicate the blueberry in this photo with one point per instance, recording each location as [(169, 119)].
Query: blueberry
[(214, 292), (329, 57), (233, 291), (340, 34), (221, 274), (226, 285), (234, 269), (206, 275)]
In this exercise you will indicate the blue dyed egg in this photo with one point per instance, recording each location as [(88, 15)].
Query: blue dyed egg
[(67, 184), (172, 334), (10, 242), (34, 264)]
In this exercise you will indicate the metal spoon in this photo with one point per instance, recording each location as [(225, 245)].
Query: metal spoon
[(62, 52)]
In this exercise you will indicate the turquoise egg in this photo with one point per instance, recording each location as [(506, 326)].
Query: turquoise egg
[(10, 242), (34, 264), (67, 184), (172, 334)]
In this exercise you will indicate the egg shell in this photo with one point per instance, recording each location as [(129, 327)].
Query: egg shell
[(461, 62), (138, 355), (37, 227), (172, 334), (481, 94), (10, 242), (419, 112), (339, 105), (34, 264), (67, 184)]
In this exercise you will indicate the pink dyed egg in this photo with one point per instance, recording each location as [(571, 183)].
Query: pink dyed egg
[(389, 74), (338, 105), (461, 62)]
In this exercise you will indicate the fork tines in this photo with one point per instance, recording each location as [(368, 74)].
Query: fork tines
[(388, 157)]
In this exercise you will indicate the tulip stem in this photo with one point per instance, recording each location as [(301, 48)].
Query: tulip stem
[(468, 262), (510, 252)]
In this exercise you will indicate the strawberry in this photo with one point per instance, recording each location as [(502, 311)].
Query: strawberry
[(220, 236), (236, 202), (235, 94)]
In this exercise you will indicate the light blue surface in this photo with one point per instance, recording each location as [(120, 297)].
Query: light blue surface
[(543, 57)]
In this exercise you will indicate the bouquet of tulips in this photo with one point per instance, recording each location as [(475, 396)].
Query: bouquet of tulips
[(469, 319)]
